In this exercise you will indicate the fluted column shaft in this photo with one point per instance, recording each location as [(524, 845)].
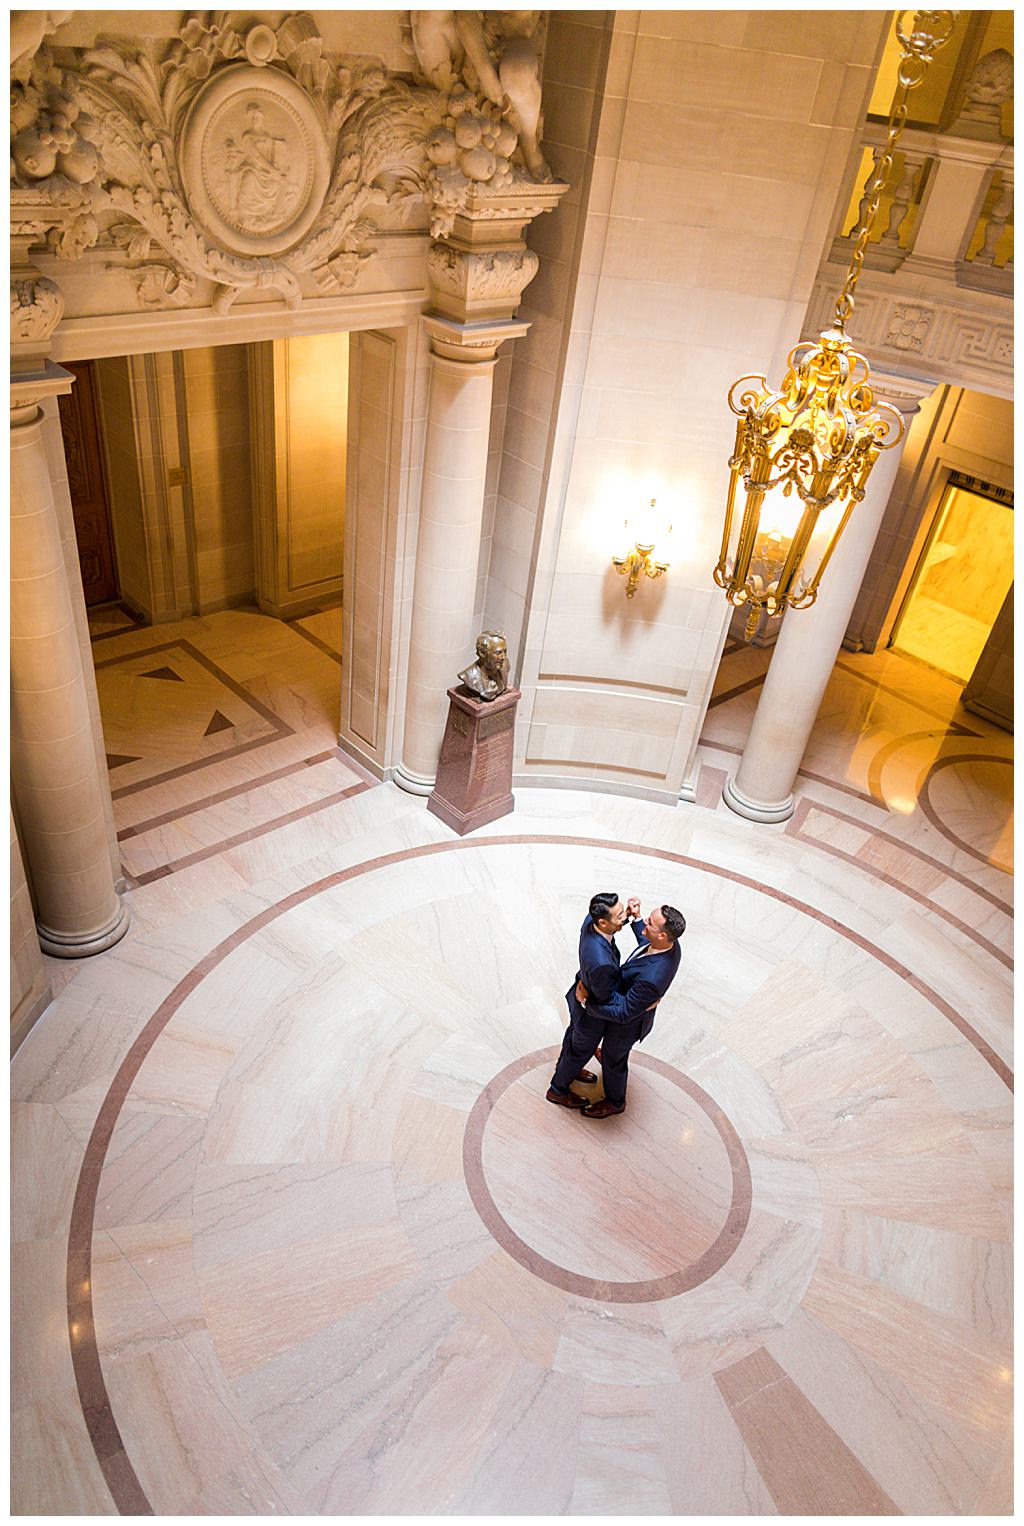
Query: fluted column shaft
[(809, 643), (57, 785), (447, 553)]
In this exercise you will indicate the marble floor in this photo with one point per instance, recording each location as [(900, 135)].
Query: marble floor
[(295, 1232), (944, 637)]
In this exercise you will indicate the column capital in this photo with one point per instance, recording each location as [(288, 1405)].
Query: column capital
[(37, 306), (28, 388), (479, 267), (470, 343), (476, 285)]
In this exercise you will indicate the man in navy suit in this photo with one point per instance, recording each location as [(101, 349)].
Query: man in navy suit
[(621, 1018)]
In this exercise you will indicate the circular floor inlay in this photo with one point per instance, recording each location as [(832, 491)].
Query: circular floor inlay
[(970, 799), (631, 1209)]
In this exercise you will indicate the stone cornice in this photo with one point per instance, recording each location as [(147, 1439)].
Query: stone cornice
[(924, 328)]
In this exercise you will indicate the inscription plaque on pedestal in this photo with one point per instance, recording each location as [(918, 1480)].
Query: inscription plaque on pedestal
[(474, 772)]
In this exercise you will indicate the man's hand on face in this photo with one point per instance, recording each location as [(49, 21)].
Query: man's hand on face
[(581, 993), (633, 908)]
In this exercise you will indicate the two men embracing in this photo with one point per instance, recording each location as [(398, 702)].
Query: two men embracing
[(612, 1002)]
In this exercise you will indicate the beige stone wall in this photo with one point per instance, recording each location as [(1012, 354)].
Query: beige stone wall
[(298, 399), (536, 384), (990, 691), (30, 988), (719, 152), (213, 412), (388, 388), (176, 438), (956, 430)]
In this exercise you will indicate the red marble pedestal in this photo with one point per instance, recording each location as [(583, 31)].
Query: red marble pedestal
[(474, 772)]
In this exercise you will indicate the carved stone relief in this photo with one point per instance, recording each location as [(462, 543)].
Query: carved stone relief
[(951, 336), (241, 154), (988, 88), (481, 283), (36, 307), (254, 160), (908, 325)]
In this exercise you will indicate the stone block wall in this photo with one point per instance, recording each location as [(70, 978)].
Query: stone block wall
[(213, 415), (536, 393), (298, 407), (716, 155)]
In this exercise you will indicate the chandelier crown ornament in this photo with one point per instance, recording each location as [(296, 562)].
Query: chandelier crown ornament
[(819, 435)]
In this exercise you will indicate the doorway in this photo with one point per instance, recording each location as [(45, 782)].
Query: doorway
[(87, 485), (961, 580)]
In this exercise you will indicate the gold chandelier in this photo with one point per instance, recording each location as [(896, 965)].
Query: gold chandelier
[(821, 432)]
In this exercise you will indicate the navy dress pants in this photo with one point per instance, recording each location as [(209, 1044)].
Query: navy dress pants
[(582, 1037)]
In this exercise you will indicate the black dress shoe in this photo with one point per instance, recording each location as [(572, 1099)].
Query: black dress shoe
[(603, 1109), (565, 1099), (586, 1077)]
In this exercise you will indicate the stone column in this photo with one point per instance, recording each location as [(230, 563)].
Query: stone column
[(56, 778), (448, 547), (809, 642)]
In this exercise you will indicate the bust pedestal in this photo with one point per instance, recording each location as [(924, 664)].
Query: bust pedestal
[(474, 771)]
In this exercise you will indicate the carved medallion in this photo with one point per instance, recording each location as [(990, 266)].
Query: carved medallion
[(255, 161)]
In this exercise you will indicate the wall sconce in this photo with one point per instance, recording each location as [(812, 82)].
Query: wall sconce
[(639, 561)]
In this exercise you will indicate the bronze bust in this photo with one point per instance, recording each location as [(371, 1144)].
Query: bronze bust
[(488, 676)]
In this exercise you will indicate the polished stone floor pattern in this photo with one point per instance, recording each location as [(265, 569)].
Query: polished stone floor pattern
[(296, 1233)]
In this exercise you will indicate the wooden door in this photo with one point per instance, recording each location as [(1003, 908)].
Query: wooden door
[(80, 428)]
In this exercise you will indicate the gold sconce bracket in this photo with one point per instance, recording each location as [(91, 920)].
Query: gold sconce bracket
[(639, 562)]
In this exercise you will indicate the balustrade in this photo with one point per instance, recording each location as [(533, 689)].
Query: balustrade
[(988, 262), (949, 207)]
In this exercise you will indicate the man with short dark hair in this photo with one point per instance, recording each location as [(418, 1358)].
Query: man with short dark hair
[(621, 1018), (598, 971)]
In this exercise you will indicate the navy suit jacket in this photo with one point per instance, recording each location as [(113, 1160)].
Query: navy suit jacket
[(599, 968), (643, 980)]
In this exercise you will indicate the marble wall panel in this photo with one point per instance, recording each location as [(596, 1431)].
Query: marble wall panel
[(387, 388), (298, 450)]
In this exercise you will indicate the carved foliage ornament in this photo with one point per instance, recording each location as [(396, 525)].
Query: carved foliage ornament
[(36, 308), (498, 273), (247, 157)]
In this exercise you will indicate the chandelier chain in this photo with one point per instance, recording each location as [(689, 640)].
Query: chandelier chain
[(931, 30)]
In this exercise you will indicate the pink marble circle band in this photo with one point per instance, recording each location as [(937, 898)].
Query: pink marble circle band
[(121, 1478), (930, 809), (654, 1289)]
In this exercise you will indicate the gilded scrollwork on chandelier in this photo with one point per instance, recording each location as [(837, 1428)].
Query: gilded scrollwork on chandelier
[(249, 157)]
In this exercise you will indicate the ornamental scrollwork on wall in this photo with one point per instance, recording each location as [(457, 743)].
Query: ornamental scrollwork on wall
[(245, 155), (37, 304)]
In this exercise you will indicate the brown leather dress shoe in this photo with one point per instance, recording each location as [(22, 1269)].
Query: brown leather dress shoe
[(586, 1077), (565, 1099), (603, 1109)]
